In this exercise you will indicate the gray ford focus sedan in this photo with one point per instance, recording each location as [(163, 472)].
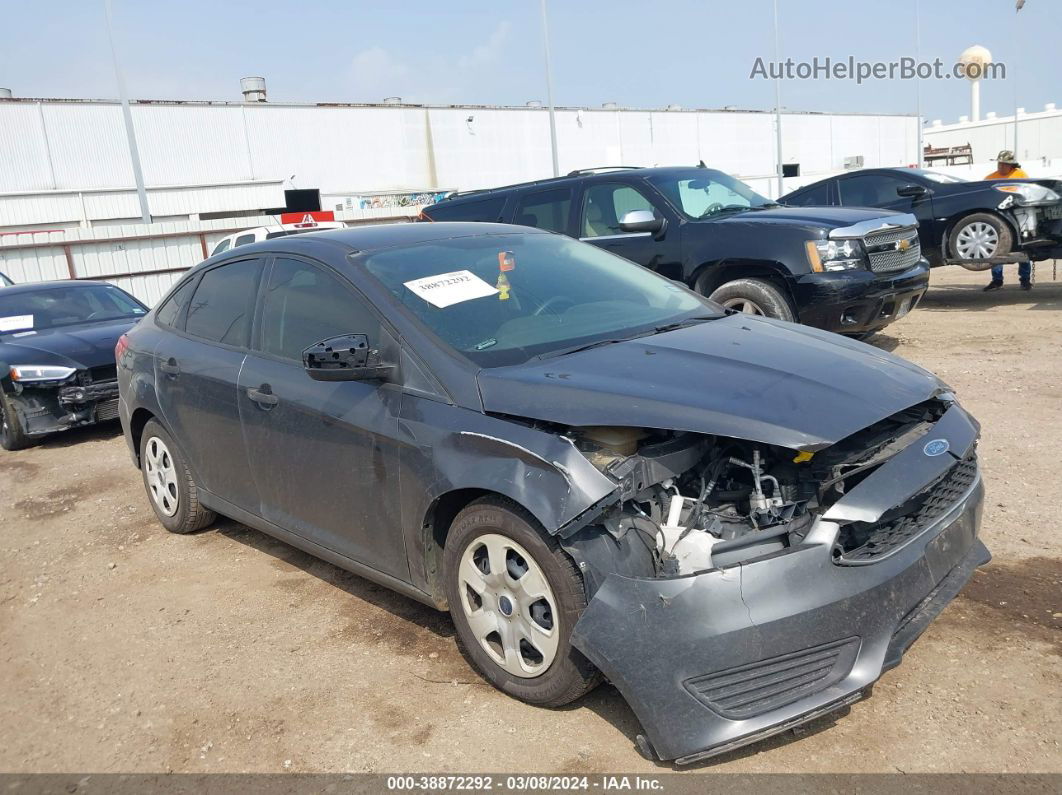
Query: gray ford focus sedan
[(739, 522)]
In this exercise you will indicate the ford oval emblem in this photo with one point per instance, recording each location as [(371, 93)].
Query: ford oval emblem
[(936, 447)]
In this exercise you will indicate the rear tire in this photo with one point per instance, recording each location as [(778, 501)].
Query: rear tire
[(170, 487), (754, 297), (497, 559), (980, 236), (12, 437)]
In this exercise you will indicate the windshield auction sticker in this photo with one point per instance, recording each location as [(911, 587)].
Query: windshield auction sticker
[(446, 289), (16, 323)]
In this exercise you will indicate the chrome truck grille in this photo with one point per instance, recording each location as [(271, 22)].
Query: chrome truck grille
[(893, 249)]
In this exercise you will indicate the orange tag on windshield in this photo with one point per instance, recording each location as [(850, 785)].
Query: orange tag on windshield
[(506, 261)]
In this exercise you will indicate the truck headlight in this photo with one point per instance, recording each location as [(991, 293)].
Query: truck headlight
[(28, 373), (835, 255), (1028, 193)]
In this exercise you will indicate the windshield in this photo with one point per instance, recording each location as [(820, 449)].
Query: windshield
[(51, 307), (503, 299), (936, 176), (704, 193)]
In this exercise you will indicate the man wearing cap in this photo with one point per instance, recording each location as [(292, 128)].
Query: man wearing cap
[(1007, 167)]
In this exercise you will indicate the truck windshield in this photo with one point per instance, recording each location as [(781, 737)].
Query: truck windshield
[(704, 192), (503, 299)]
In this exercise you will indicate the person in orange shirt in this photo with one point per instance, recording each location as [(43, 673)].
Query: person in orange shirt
[(1007, 167)]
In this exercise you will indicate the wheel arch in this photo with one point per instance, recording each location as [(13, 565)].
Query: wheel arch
[(710, 276), (140, 418), (949, 227)]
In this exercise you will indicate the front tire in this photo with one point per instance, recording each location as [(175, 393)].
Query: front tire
[(12, 437), (754, 297), (515, 596), (980, 236), (170, 487)]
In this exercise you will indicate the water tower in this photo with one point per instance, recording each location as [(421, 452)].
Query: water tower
[(974, 60)]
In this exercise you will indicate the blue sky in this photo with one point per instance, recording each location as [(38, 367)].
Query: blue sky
[(697, 54)]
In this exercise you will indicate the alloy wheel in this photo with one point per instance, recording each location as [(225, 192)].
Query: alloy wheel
[(509, 605), (977, 240), (161, 476), (743, 305)]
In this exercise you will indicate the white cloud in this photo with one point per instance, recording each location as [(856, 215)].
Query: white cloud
[(376, 72)]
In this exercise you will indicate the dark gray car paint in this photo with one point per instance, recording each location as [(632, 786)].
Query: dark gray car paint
[(743, 377), (751, 378)]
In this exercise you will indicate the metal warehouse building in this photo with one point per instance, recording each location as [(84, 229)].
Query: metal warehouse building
[(212, 167)]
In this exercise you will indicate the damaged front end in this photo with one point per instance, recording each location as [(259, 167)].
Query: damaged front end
[(47, 405), (736, 588)]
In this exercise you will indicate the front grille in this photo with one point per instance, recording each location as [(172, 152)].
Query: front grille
[(861, 542), (884, 254), (107, 410), (771, 683)]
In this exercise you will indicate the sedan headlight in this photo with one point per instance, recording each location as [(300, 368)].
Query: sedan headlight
[(835, 255), (27, 373), (1028, 193)]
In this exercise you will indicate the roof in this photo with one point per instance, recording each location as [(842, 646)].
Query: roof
[(32, 287), (377, 236), (574, 176)]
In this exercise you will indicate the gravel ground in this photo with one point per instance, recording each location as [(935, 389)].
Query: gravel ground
[(127, 649)]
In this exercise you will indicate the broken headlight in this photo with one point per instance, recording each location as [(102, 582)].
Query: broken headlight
[(29, 373), (1028, 193)]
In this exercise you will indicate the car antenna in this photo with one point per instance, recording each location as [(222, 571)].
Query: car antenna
[(700, 164)]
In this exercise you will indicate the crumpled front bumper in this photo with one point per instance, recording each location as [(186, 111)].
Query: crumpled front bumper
[(44, 409), (713, 661)]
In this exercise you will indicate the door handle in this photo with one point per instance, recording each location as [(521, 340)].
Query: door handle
[(263, 396), (170, 367)]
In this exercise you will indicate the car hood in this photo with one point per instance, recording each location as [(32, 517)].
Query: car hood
[(89, 345), (810, 216), (741, 377)]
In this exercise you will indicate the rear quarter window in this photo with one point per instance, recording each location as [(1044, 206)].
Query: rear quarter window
[(483, 210), (169, 312)]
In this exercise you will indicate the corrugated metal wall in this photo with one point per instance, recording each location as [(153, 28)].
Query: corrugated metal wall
[(52, 145)]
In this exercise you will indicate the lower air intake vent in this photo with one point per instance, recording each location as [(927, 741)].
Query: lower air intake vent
[(749, 690)]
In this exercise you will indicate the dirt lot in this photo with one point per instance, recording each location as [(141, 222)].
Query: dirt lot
[(125, 648)]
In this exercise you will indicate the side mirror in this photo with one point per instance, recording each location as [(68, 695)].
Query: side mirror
[(346, 358), (641, 221), (911, 191)]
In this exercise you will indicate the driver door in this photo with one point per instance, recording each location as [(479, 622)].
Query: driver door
[(602, 207)]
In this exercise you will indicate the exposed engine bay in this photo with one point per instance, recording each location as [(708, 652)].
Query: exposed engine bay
[(692, 502)]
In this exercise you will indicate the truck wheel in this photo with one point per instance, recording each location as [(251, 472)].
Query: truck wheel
[(754, 297), (12, 437), (169, 484), (980, 236), (514, 596)]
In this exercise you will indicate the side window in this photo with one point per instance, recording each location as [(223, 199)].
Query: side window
[(242, 239), (170, 310), (304, 304), (547, 209), (869, 190), (482, 210), (817, 196), (222, 246), (221, 308), (605, 204)]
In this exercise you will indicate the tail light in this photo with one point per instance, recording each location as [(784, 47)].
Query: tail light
[(121, 348)]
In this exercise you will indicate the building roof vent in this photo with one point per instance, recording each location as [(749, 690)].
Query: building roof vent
[(609, 106), (5, 93), (674, 107), (1049, 106), (534, 103), (253, 89), (392, 100)]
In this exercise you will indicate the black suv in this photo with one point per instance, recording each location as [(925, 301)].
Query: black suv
[(853, 271)]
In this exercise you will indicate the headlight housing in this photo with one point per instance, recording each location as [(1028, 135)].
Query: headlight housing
[(29, 373), (835, 255), (1028, 193)]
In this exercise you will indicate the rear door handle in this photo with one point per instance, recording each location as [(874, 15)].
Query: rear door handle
[(170, 367), (263, 396)]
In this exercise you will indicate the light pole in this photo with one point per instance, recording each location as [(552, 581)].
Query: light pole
[(134, 154), (549, 92), (918, 83), (778, 103)]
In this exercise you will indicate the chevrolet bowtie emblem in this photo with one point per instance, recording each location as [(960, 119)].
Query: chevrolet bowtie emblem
[(903, 245)]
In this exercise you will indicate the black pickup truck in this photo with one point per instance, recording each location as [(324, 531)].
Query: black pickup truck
[(847, 270)]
